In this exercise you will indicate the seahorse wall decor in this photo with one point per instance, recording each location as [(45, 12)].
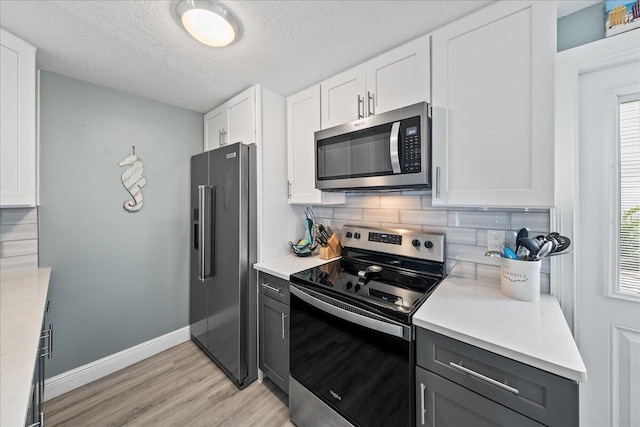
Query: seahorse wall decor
[(133, 180)]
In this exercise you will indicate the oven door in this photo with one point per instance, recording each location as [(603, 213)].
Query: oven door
[(358, 363)]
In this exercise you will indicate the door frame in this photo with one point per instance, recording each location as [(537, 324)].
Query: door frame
[(570, 64)]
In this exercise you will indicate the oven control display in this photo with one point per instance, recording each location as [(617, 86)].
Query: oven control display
[(393, 239)]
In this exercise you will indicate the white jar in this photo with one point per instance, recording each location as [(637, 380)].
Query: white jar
[(520, 279)]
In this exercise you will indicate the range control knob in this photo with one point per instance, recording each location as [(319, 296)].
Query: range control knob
[(415, 243), (349, 285), (357, 288), (428, 244), (349, 234), (356, 235)]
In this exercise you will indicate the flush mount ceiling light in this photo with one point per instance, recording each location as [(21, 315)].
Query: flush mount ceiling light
[(209, 22)]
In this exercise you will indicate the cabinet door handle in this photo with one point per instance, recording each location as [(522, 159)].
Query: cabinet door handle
[(284, 316), (48, 308), (484, 378), (437, 182), (46, 349), (272, 288), (50, 355), (288, 189), (423, 410), (360, 103), (370, 104)]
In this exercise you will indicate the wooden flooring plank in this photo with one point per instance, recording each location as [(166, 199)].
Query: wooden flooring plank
[(178, 387)]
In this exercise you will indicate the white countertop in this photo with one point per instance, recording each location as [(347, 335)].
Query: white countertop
[(285, 266), (23, 295), (534, 333)]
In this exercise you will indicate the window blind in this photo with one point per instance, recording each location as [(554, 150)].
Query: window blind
[(629, 162)]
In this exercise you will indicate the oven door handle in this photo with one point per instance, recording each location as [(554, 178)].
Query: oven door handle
[(351, 317)]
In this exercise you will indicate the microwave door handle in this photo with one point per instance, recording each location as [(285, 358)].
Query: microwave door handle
[(393, 147)]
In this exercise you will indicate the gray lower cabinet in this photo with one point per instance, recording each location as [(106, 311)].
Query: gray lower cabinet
[(444, 403), (273, 312), (35, 412), (458, 384)]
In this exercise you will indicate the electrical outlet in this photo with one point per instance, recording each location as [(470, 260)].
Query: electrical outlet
[(495, 240)]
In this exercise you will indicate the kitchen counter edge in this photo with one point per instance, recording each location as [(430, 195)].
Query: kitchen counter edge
[(287, 265), (477, 313), (24, 297)]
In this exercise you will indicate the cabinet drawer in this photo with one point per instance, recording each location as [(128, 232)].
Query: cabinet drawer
[(274, 287), (441, 403), (545, 397)]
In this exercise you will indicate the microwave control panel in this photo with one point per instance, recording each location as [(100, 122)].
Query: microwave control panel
[(411, 144)]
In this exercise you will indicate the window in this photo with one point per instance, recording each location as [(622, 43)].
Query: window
[(629, 169)]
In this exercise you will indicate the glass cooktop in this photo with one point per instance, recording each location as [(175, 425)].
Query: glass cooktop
[(382, 284)]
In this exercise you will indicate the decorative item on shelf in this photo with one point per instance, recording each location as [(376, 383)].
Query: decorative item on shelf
[(520, 268), (133, 180), (621, 16), (308, 244)]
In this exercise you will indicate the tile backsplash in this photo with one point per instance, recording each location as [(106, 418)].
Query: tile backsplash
[(465, 228), (18, 239)]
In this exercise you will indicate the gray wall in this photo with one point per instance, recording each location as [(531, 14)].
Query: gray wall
[(581, 27), (118, 278)]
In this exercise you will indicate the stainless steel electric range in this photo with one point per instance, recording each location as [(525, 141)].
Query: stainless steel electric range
[(351, 338)]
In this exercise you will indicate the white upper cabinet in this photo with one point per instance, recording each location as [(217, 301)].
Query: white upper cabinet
[(234, 121), (392, 80), (303, 119), (343, 97), (215, 125), (399, 77), (18, 118), (493, 107), (242, 118)]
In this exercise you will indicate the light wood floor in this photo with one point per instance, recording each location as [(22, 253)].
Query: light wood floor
[(178, 387)]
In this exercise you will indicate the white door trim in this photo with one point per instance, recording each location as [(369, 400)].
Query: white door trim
[(570, 64)]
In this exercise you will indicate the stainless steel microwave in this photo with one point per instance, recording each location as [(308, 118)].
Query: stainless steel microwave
[(387, 151)]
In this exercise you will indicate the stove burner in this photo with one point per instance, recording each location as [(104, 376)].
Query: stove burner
[(412, 282)]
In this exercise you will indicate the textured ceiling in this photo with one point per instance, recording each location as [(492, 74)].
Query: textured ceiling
[(139, 46)]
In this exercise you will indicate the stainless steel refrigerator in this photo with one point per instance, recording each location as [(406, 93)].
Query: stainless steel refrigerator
[(223, 250)]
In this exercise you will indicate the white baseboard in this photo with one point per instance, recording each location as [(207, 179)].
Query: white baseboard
[(67, 381)]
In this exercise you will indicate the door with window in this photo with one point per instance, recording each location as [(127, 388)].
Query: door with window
[(608, 244)]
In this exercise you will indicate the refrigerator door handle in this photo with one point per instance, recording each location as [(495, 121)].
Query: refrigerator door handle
[(207, 206), (212, 218), (201, 246)]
